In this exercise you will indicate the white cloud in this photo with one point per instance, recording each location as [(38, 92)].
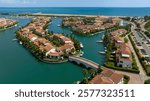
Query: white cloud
[(15, 1)]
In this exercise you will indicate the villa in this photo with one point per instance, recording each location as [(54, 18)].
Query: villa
[(117, 20), (62, 39), (123, 52), (107, 76), (123, 56)]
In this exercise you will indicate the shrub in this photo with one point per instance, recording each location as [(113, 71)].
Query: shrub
[(147, 81), (112, 66), (126, 79)]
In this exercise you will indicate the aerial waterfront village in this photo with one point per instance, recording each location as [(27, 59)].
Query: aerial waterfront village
[(6, 23), (91, 25), (51, 47), (56, 47)]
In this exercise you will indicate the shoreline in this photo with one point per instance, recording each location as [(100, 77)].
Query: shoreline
[(66, 15), (8, 27)]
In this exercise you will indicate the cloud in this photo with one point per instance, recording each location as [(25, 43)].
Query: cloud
[(15, 1)]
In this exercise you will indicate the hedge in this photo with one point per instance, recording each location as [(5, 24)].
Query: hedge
[(111, 66)]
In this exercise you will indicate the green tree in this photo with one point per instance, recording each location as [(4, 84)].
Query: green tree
[(125, 40), (106, 39), (92, 73), (84, 72), (85, 80), (99, 70), (147, 81)]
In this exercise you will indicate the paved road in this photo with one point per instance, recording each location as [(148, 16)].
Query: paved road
[(141, 77), (142, 72)]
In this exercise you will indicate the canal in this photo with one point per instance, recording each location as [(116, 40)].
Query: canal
[(17, 65)]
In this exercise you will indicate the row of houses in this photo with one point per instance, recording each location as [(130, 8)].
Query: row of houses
[(4, 23), (47, 47), (91, 24), (123, 51)]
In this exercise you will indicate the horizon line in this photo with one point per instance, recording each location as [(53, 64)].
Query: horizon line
[(71, 7)]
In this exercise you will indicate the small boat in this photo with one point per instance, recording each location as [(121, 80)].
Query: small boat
[(102, 52), (81, 53), (78, 82), (58, 25), (20, 43), (99, 41), (81, 45), (103, 37), (14, 39)]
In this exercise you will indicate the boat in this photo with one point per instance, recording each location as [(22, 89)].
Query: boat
[(103, 37), (20, 43), (78, 82), (81, 53), (81, 45), (102, 52), (14, 39), (58, 25), (99, 41)]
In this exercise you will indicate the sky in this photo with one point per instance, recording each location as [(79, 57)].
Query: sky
[(74, 3)]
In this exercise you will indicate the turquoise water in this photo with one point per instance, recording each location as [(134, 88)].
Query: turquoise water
[(80, 10), (17, 65)]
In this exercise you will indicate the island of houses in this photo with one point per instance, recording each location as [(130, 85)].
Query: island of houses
[(6, 23), (45, 45), (91, 24)]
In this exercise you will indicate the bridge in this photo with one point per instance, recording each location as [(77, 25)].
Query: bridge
[(84, 62)]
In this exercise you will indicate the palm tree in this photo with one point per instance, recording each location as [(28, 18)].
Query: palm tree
[(99, 70), (85, 81), (84, 72), (92, 73)]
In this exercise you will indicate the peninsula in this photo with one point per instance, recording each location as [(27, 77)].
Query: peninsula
[(45, 45), (6, 23)]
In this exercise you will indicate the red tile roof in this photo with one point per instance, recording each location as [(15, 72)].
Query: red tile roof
[(107, 77)]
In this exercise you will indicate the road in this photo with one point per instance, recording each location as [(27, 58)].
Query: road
[(141, 77)]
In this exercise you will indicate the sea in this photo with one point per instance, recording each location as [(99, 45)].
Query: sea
[(109, 11), (18, 66)]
